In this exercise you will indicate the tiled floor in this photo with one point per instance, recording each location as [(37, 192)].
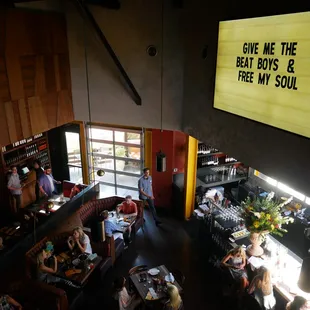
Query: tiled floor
[(174, 244)]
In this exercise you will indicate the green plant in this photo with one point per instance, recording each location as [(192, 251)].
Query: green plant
[(264, 215), (120, 151)]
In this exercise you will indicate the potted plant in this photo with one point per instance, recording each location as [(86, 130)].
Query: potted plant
[(262, 216)]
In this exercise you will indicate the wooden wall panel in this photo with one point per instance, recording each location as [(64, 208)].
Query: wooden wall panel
[(8, 106), (38, 117), (24, 117), (35, 81)]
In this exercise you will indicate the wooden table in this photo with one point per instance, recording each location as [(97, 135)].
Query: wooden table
[(119, 223), (78, 278), (143, 287)]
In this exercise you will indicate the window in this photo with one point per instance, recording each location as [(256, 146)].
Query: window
[(119, 153), (282, 187), (74, 156)]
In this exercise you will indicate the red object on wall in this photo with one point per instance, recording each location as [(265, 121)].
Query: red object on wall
[(173, 144)]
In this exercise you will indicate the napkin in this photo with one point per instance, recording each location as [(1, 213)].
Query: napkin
[(149, 296)]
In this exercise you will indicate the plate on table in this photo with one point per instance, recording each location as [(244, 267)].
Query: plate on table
[(153, 272)]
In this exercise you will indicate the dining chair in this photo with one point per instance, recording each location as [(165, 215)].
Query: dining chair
[(137, 269), (179, 276)]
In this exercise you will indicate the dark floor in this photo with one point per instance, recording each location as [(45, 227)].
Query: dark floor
[(176, 245)]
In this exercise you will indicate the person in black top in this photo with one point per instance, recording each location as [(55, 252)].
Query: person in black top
[(39, 171)]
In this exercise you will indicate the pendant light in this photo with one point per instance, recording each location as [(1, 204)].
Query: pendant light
[(304, 277), (161, 160)]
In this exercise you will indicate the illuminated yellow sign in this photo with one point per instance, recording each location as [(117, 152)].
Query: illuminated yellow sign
[(263, 70)]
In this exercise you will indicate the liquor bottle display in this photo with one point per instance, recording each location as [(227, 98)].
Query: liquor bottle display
[(215, 167), (26, 150)]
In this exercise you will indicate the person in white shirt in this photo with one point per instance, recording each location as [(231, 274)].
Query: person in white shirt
[(15, 187), (79, 241), (262, 288), (125, 301)]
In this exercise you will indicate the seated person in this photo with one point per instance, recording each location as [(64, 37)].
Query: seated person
[(130, 209), (75, 190), (125, 301), (262, 288), (111, 229), (8, 303), (44, 272), (299, 303), (175, 300), (79, 241), (235, 261)]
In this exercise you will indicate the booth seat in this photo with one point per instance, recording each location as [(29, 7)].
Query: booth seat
[(67, 187), (60, 244), (90, 212), (36, 295), (92, 209)]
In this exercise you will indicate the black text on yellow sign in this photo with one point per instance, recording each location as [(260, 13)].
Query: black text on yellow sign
[(266, 64)]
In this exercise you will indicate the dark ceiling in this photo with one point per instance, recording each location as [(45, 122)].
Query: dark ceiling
[(111, 4)]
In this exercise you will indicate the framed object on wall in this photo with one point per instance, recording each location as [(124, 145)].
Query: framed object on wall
[(263, 70)]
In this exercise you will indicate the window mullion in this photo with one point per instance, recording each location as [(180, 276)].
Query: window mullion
[(115, 185)]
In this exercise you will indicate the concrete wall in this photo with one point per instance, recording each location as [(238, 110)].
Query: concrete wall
[(130, 31), (278, 154)]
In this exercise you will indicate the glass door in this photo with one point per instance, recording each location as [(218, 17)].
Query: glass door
[(74, 156)]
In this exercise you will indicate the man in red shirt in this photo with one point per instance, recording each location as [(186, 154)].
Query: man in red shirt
[(130, 209)]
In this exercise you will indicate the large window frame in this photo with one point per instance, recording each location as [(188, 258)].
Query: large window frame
[(72, 163), (115, 159)]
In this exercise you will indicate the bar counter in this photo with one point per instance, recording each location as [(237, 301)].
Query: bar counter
[(14, 253), (284, 264)]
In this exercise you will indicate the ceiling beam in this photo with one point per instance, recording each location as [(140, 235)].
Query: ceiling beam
[(88, 16)]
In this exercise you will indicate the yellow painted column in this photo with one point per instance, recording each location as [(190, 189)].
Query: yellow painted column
[(83, 143), (148, 148), (190, 176)]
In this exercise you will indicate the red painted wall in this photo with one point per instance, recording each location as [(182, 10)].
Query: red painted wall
[(173, 144)]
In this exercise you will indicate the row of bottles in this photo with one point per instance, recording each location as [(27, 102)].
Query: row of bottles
[(24, 153), (43, 157), (208, 161), (229, 159), (31, 150), (206, 149)]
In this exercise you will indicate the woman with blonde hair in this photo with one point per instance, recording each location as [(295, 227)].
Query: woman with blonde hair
[(80, 241), (175, 300), (235, 261), (262, 288)]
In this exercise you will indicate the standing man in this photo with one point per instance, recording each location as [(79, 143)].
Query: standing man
[(146, 193), (47, 182), (15, 188), (39, 171)]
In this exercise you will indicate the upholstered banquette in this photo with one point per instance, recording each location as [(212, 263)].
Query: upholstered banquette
[(90, 212)]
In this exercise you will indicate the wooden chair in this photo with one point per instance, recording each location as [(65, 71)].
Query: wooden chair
[(179, 276), (137, 269)]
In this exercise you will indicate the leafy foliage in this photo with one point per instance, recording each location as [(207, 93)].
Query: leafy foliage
[(264, 216)]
